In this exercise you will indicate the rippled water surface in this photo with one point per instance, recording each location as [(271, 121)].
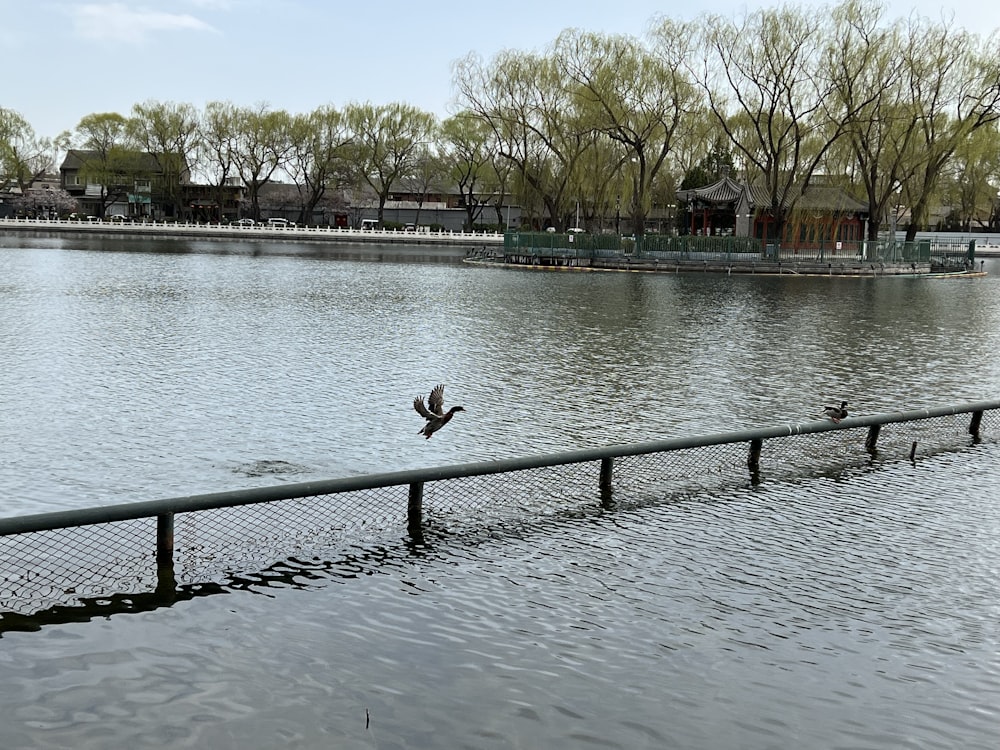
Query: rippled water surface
[(138, 375), (844, 609)]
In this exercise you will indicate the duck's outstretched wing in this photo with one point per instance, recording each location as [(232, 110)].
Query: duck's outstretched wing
[(436, 400), (418, 404)]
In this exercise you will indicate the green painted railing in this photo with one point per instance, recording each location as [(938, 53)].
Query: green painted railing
[(693, 247)]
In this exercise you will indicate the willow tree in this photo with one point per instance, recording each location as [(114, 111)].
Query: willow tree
[(880, 125), (467, 148), (952, 78), (217, 146), (536, 122), (766, 84), (262, 146), (168, 132), (386, 140), (634, 96), (108, 158), (603, 181), (973, 179), (22, 153), (318, 160)]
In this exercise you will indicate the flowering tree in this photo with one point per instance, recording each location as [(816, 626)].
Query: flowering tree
[(45, 202)]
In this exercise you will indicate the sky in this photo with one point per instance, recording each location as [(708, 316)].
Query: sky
[(66, 59)]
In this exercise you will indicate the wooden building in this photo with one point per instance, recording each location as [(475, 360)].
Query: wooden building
[(823, 215)]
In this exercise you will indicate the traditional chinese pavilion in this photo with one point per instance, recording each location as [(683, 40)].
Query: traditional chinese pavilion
[(822, 216)]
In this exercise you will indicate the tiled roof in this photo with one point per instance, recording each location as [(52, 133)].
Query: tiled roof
[(76, 158), (817, 197), (725, 190)]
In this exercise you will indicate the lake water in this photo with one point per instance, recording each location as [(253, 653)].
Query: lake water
[(856, 609)]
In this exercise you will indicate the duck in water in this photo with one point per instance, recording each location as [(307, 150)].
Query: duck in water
[(836, 413), (434, 411)]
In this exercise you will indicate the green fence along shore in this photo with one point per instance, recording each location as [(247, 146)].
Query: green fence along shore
[(732, 255)]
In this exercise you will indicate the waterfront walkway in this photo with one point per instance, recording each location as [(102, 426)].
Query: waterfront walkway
[(487, 248), (257, 231)]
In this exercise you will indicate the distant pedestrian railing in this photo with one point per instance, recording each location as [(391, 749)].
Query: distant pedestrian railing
[(259, 230), (76, 563)]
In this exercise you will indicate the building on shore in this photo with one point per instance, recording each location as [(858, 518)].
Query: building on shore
[(822, 215)]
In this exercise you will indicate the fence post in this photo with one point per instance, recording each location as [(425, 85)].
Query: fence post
[(753, 459), (415, 508), (872, 440), (607, 468), (165, 539), (977, 418)]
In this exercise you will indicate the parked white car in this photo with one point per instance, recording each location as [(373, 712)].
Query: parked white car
[(280, 223)]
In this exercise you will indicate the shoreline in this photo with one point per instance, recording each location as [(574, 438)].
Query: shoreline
[(479, 249), (259, 232), (802, 270), (305, 242)]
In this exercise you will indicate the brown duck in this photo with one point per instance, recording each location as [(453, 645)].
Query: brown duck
[(434, 411), (836, 413)]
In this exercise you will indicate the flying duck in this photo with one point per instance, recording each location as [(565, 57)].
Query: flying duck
[(434, 411), (836, 413)]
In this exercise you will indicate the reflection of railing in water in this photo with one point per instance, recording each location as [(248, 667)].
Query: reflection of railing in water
[(68, 565)]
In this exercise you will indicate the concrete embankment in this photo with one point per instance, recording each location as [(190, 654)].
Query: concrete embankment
[(761, 268)]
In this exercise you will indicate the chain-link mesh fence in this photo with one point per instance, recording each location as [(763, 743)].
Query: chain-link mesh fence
[(53, 573)]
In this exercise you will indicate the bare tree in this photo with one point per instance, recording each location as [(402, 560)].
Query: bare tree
[(428, 173)]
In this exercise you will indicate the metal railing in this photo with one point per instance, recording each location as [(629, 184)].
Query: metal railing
[(729, 248), (320, 232), (52, 564)]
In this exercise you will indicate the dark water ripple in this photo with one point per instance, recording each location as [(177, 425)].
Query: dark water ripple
[(834, 612)]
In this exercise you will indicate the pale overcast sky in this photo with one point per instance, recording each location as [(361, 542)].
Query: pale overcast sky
[(65, 59)]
